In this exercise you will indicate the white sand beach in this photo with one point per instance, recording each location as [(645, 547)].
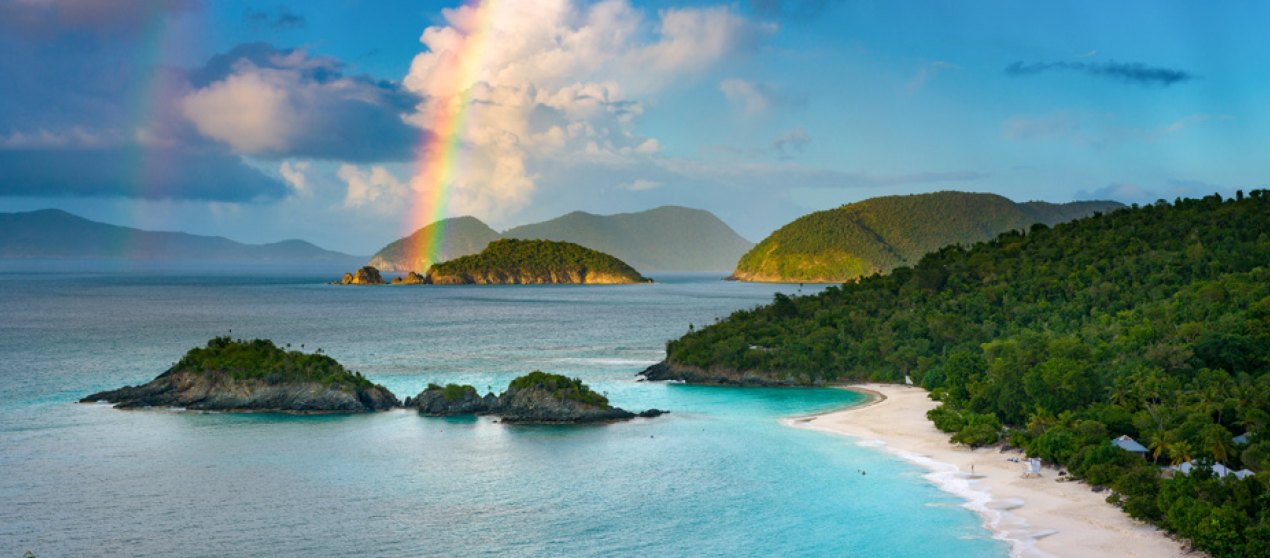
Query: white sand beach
[(1038, 516)]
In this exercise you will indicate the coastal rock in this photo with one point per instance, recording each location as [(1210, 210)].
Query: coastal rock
[(537, 398), (437, 401), (412, 278), (216, 391), (367, 275), (253, 375), (542, 405), (668, 371)]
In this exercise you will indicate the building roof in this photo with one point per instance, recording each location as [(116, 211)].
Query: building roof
[(1129, 444)]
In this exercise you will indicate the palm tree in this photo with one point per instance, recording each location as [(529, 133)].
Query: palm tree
[(1180, 453), (1218, 444)]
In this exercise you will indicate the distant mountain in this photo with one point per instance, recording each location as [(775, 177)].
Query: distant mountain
[(56, 234), (880, 234), (461, 236), (667, 238), (661, 239)]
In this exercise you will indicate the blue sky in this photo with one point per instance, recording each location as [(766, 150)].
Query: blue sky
[(261, 121)]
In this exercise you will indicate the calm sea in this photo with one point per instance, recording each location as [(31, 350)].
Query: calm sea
[(720, 476)]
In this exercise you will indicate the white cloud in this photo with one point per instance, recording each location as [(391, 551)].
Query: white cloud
[(754, 98), (294, 175), (377, 188), (253, 111), (557, 80)]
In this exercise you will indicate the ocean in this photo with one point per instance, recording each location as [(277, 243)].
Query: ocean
[(719, 476)]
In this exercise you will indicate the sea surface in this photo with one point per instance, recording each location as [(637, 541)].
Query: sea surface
[(719, 476)]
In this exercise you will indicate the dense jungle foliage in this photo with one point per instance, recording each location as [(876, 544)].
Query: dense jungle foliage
[(453, 393), (561, 387), (1151, 322), (880, 234), (523, 258), (260, 359)]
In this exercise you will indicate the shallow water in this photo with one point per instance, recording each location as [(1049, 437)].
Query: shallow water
[(720, 476)]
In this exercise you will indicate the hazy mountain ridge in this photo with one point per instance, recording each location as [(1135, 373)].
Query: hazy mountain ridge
[(662, 239), (879, 234), (56, 234)]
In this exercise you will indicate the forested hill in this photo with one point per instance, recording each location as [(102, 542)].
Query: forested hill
[(662, 239), (534, 262), (880, 234), (1151, 322)]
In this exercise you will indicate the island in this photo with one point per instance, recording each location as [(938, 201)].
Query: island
[(535, 398), (517, 262), (254, 376)]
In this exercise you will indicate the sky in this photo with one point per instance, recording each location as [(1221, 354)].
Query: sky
[(350, 123)]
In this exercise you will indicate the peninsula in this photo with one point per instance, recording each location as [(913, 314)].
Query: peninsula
[(254, 376), (537, 397), (1130, 349)]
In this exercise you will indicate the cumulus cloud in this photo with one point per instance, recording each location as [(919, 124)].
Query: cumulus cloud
[(557, 80), (294, 174), (376, 188), (268, 102), (1129, 72)]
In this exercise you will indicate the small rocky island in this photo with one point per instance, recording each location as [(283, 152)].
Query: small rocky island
[(537, 398), (254, 376), (517, 262)]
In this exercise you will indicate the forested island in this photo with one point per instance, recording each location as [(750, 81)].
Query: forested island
[(1148, 322), (256, 375), (537, 397), (879, 234), (517, 262)]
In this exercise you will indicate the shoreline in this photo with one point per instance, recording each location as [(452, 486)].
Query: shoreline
[(1037, 518)]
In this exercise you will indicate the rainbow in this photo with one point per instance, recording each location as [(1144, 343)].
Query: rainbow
[(154, 114), (437, 158)]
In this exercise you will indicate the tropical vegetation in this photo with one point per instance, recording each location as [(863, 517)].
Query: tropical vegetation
[(880, 234), (260, 359), (560, 387), (536, 258), (1151, 322)]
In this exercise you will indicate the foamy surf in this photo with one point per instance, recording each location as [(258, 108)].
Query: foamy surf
[(997, 518)]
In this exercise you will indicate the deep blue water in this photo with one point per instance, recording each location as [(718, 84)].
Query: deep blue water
[(720, 476)]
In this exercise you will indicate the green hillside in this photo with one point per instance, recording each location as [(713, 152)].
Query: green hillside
[(1151, 322), (880, 234), (461, 236), (661, 239), (513, 261)]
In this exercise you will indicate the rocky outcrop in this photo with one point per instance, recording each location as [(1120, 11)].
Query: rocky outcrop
[(218, 391), (718, 376), (437, 401), (367, 275), (412, 278), (536, 403)]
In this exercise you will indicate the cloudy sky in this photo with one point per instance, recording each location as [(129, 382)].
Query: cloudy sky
[(323, 120)]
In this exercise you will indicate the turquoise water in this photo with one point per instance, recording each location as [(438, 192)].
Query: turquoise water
[(720, 476)]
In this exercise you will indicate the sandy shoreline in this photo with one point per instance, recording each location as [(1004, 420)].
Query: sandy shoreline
[(1039, 517)]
